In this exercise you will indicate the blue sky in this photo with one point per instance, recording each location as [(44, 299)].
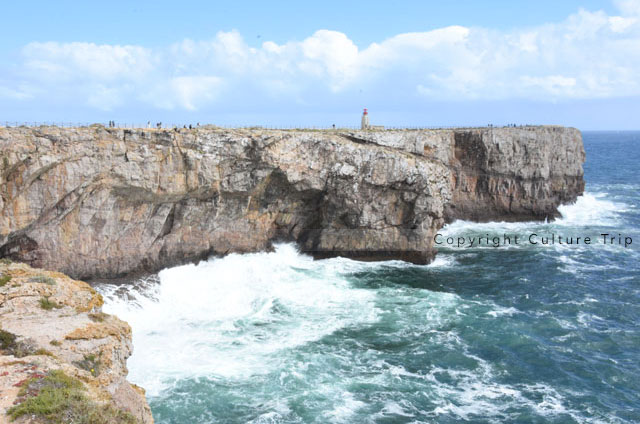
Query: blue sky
[(422, 63)]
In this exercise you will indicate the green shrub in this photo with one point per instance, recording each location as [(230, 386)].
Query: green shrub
[(11, 346), (4, 279), (48, 305), (90, 363), (59, 399), (5, 261), (42, 351), (7, 340), (55, 343)]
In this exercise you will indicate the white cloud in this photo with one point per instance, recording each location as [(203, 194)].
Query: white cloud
[(629, 7), (330, 53), (588, 55), (105, 98), (87, 61), (21, 93), (554, 84), (187, 92)]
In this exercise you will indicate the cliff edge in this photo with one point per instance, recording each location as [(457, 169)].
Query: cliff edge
[(98, 202), (61, 358)]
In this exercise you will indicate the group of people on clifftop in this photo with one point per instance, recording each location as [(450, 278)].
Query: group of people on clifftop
[(112, 124)]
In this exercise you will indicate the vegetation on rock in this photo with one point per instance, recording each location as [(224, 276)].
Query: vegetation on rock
[(7, 340), (58, 398), (90, 346), (90, 363), (98, 316), (10, 345), (48, 305), (42, 279), (42, 351)]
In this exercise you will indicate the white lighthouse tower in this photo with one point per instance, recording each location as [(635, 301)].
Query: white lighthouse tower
[(365, 120)]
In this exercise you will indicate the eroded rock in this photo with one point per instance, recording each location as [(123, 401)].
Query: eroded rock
[(97, 202), (72, 335)]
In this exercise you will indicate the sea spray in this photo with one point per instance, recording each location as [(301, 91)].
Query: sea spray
[(229, 317), (516, 334)]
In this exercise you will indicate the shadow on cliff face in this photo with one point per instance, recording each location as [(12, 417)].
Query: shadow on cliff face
[(297, 210), (470, 150), (21, 248)]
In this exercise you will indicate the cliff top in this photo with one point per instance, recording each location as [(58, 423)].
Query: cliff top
[(276, 129)]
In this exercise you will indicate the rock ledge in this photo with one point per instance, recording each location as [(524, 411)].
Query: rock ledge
[(58, 325)]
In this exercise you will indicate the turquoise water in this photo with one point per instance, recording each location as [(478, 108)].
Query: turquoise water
[(525, 333)]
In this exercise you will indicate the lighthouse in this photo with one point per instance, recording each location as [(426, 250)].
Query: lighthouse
[(365, 120)]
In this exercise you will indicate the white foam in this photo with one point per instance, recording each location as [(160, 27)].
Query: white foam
[(476, 393), (591, 209), (272, 417), (588, 320), (394, 408), (229, 317), (466, 228), (345, 409), (443, 260), (591, 214), (500, 311), (232, 318)]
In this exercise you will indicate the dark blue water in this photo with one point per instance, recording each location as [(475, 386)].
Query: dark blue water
[(525, 333)]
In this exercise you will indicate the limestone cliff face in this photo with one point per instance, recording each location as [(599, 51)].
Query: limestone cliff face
[(49, 322), (96, 202), (514, 174)]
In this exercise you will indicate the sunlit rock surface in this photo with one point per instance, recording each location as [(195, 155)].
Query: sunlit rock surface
[(97, 202)]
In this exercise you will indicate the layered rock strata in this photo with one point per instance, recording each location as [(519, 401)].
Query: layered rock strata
[(98, 202)]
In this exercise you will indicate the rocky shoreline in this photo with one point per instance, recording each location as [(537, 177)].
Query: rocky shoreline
[(105, 202), (61, 357), (95, 202)]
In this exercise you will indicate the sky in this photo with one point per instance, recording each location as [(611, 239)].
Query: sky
[(292, 63)]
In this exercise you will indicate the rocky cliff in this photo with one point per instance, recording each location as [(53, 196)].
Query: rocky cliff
[(97, 202), (61, 358)]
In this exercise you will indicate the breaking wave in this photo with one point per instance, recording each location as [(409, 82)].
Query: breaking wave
[(520, 334)]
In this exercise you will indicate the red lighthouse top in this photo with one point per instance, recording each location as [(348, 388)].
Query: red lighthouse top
[(365, 111)]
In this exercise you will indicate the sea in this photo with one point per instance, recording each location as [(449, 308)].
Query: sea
[(521, 333)]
